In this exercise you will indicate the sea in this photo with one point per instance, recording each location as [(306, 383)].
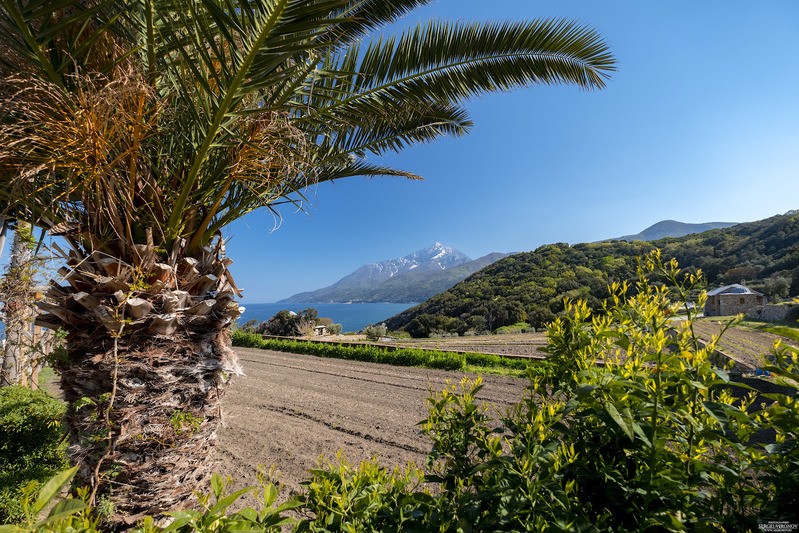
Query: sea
[(352, 317)]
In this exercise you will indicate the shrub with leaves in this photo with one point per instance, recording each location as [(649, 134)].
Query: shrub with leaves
[(781, 462), (367, 497), (630, 428), (32, 444), (634, 429), (214, 515), (67, 515), (375, 331)]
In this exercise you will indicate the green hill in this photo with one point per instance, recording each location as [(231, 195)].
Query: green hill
[(530, 287), (673, 228)]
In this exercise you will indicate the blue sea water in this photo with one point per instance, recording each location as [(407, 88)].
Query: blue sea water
[(352, 317)]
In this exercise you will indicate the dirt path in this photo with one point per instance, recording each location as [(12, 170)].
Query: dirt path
[(289, 409)]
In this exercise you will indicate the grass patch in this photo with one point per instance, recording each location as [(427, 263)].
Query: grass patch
[(473, 362), (47, 379), (784, 331), (757, 325)]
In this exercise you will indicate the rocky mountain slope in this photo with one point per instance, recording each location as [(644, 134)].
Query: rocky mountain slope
[(530, 287), (413, 278)]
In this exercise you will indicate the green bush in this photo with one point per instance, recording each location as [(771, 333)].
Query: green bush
[(32, 445), (652, 439), (367, 353), (374, 332), (374, 354), (518, 327), (629, 427), (364, 498)]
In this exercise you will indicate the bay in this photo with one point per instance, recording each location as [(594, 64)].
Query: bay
[(352, 317)]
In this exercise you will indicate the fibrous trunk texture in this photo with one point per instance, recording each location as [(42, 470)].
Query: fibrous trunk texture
[(18, 310), (148, 355)]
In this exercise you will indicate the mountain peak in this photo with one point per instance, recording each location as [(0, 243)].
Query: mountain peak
[(673, 228), (435, 258)]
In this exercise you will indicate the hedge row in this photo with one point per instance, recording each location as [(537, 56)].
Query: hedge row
[(374, 354)]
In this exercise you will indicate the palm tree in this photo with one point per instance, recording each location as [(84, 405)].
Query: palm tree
[(137, 130)]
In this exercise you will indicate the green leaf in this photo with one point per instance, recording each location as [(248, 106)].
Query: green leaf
[(722, 374), (64, 509), (616, 416), (181, 519), (225, 502), (217, 485), (51, 489), (638, 430), (293, 503)]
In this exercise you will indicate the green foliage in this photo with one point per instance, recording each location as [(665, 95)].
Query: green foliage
[(75, 516), (518, 327), (366, 352), (363, 498), (32, 444), (374, 354), (375, 331), (781, 461), (427, 325), (532, 286), (184, 422), (334, 329), (629, 427), (784, 331), (286, 323), (68, 514), (214, 514), (654, 438)]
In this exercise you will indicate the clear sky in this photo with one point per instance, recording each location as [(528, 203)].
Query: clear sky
[(700, 123)]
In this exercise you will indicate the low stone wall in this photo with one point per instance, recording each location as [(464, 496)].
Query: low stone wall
[(773, 313)]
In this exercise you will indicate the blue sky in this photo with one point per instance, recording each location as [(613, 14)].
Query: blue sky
[(700, 123)]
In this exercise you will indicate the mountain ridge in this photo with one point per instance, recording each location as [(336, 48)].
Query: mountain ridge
[(408, 279), (422, 274), (673, 228), (531, 286)]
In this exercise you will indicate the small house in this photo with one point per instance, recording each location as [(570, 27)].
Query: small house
[(731, 300), (320, 330)]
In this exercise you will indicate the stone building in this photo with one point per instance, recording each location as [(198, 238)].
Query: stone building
[(731, 300)]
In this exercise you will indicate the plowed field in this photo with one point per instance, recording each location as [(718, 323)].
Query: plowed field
[(289, 409), (746, 347)]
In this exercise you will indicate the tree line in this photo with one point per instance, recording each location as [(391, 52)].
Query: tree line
[(531, 287)]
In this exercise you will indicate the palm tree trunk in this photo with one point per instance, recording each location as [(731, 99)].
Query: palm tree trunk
[(148, 357), (17, 288), (3, 232)]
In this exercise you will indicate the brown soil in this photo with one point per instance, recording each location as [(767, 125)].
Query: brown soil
[(290, 409), (518, 344), (746, 347)]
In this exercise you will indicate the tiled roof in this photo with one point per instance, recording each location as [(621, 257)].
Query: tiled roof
[(735, 288)]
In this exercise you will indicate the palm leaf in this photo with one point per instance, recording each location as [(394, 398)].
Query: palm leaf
[(249, 101)]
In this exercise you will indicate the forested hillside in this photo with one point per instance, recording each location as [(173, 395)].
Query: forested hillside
[(530, 287)]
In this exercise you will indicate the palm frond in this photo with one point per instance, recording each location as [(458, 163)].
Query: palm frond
[(186, 114)]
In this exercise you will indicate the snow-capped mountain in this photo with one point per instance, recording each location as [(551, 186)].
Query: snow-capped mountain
[(363, 284)]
